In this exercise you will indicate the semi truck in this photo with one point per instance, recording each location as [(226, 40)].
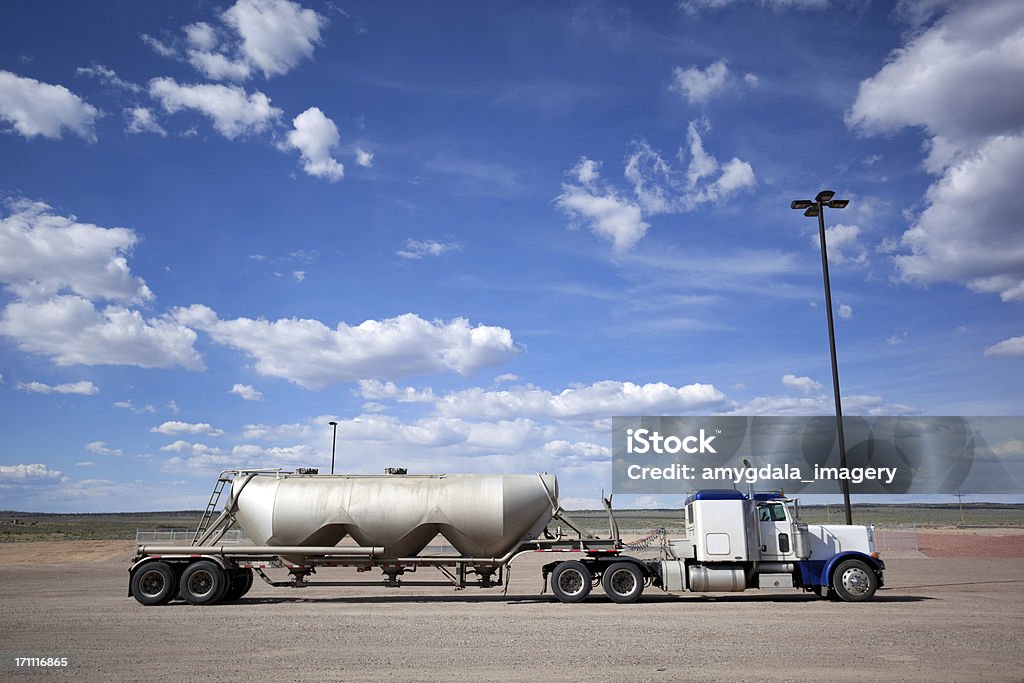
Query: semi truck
[(302, 521)]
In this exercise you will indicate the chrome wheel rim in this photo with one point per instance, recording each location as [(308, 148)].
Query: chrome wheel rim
[(856, 581)]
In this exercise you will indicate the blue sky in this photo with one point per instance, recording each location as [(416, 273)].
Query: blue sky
[(473, 234)]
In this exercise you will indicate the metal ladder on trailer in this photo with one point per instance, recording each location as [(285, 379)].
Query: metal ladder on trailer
[(208, 533), (211, 507)]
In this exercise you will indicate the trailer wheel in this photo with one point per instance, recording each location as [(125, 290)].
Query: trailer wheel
[(571, 581), (241, 582), (623, 582), (203, 583), (854, 581), (154, 584)]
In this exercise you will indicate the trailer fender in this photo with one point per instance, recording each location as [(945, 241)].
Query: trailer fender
[(597, 565), (182, 559)]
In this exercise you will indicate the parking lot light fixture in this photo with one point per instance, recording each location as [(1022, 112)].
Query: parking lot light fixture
[(816, 209)]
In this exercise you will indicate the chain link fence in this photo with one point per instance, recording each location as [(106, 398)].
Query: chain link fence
[(896, 537), (181, 536)]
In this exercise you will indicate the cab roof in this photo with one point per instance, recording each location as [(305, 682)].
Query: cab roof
[(731, 494)]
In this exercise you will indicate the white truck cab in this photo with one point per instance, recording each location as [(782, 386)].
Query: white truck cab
[(736, 541)]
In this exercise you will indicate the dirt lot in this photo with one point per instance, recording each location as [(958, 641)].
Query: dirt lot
[(939, 618)]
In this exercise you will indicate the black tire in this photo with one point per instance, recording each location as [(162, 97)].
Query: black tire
[(623, 582), (571, 581), (241, 582), (854, 581), (249, 578), (203, 583), (154, 584)]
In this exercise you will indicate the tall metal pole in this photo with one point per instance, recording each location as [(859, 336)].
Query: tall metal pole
[(835, 363), (334, 444)]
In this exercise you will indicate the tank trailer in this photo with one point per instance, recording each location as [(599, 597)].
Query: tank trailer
[(297, 521)]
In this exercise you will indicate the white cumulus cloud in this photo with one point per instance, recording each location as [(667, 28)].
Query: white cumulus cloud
[(804, 384), (37, 108), (142, 120), (657, 188), (314, 136), (234, 112), (254, 36), (698, 85), (845, 311), (201, 36), (313, 355), (844, 245), (598, 400), (25, 473), (1014, 346), (276, 34), (608, 214), (43, 253), (364, 157), (969, 230), (218, 67), (247, 391), (175, 427), (72, 331), (374, 389), (660, 188), (101, 448), (84, 388), (577, 450)]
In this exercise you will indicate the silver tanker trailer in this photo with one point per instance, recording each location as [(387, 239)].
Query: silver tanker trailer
[(303, 521)]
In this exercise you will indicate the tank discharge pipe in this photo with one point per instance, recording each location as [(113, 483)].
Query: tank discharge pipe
[(342, 551)]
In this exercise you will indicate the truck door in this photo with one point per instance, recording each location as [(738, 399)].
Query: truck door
[(776, 532)]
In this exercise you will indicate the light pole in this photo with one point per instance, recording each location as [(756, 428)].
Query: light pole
[(816, 209), (334, 443)]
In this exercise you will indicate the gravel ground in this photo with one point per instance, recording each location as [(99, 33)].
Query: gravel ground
[(937, 619)]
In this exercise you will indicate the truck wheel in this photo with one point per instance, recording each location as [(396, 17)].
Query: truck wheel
[(623, 582), (154, 584), (571, 581), (241, 582), (248, 578), (854, 581), (203, 583)]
